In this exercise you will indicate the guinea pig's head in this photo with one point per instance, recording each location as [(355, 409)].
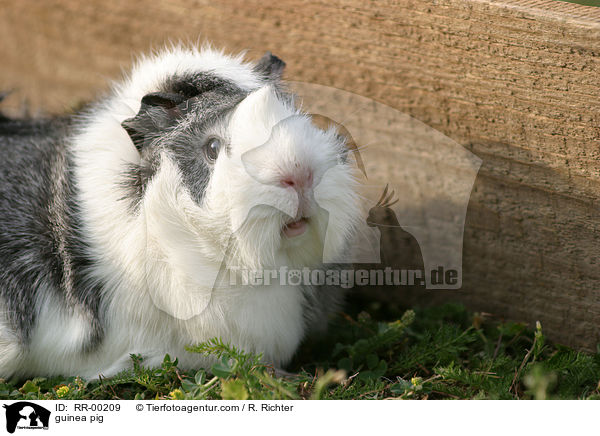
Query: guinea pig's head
[(230, 165)]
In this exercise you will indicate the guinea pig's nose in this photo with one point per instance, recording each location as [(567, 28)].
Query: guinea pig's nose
[(298, 180)]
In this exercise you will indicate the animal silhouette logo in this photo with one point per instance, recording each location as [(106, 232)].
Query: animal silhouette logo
[(26, 415), (418, 221)]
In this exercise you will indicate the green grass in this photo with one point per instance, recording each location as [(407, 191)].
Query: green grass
[(443, 352)]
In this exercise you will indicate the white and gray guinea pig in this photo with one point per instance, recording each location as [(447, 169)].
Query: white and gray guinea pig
[(116, 224)]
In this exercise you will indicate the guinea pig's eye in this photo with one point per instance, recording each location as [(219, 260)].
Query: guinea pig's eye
[(211, 148)]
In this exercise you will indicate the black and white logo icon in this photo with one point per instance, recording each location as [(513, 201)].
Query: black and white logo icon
[(26, 415)]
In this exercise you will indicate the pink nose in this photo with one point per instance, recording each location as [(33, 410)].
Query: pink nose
[(298, 180)]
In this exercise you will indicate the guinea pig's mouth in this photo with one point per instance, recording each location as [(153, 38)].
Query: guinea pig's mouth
[(295, 228)]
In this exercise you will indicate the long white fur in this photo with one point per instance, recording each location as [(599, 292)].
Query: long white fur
[(157, 266)]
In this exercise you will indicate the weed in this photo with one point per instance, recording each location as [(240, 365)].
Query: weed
[(443, 352)]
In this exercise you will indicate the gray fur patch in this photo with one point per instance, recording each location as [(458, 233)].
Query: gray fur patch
[(40, 244), (177, 120)]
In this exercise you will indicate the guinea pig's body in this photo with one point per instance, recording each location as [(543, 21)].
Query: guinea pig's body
[(115, 223)]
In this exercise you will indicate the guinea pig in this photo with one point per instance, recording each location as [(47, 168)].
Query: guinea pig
[(117, 223)]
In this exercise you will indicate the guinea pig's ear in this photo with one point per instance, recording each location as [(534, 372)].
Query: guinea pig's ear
[(166, 100), (157, 112), (270, 66)]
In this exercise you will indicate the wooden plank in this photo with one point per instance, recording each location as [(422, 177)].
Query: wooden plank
[(516, 82)]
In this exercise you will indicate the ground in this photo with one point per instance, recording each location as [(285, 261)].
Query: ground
[(371, 352)]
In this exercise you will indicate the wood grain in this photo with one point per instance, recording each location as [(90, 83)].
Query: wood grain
[(516, 82)]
